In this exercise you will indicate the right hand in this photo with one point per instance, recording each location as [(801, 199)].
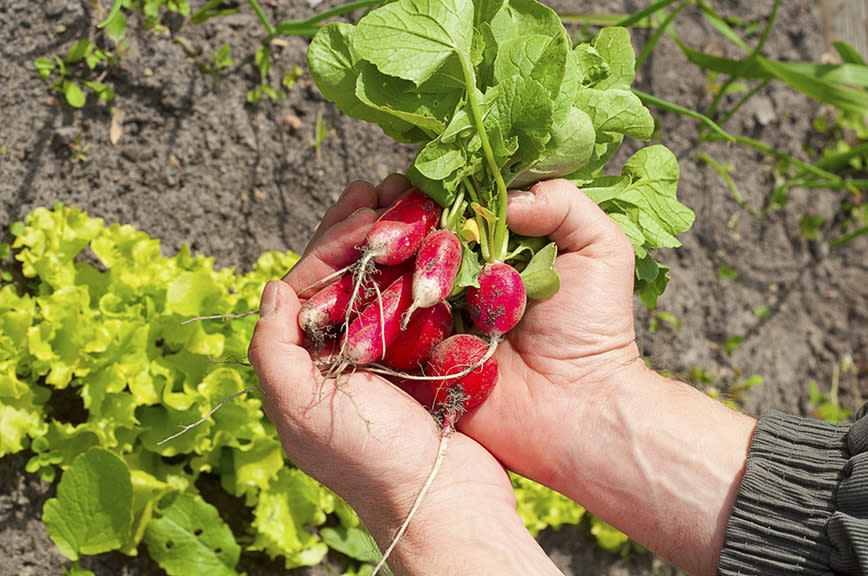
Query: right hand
[(576, 408), (570, 351)]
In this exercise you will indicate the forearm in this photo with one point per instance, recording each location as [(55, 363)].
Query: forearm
[(662, 462)]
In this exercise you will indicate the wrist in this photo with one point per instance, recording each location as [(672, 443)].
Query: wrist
[(662, 462), (452, 542), (466, 524)]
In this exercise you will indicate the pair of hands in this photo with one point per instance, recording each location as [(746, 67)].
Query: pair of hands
[(374, 444)]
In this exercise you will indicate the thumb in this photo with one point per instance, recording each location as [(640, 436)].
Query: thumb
[(559, 210), (325, 427), (275, 349)]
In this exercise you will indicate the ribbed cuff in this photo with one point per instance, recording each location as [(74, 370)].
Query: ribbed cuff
[(778, 522)]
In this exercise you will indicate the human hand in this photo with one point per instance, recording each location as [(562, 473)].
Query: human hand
[(371, 442), (576, 409), (569, 351)]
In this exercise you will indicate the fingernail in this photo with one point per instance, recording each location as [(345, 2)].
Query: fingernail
[(268, 304), (521, 196)]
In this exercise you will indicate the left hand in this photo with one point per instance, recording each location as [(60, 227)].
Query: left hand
[(371, 442)]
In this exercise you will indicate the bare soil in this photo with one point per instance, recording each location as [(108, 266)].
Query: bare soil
[(197, 165)]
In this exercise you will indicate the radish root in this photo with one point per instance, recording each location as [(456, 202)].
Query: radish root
[(219, 317), (386, 371), (208, 415), (445, 433)]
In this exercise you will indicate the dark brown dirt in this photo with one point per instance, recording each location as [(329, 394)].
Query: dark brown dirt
[(197, 165)]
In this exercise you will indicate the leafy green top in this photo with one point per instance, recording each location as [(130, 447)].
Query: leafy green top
[(496, 96)]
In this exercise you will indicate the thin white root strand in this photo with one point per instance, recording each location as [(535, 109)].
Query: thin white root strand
[(360, 274), (441, 453), (208, 415), (386, 371), (219, 317), (405, 318), (382, 320), (333, 276)]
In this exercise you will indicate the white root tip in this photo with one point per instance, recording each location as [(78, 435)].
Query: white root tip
[(441, 452), (405, 318)]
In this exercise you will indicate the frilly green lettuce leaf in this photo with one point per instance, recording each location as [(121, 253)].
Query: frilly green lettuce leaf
[(541, 507), (284, 511)]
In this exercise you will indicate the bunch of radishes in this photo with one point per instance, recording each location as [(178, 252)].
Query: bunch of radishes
[(392, 311)]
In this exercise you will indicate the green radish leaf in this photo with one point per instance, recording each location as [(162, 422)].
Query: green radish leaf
[(592, 68), (605, 187), (412, 40), (353, 541), (468, 274), (521, 17), (522, 110), (536, 56), (569, 148), (605, 147), (654, 174), (540, 278), (400, 98), (647, 269), (335, 67), (618, 111), (189, 537), (614, 46), (522, 249), (91, 513), (649, 286), (437, 160)]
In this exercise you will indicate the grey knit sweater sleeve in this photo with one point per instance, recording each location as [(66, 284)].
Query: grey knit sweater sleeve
[(802, 507)]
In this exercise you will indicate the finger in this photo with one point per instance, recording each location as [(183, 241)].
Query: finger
[(359, 194), (284, 368), (565, 214), (329, 430), (391, 188), (334, 250)]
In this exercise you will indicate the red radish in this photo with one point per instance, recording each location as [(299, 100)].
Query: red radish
[(456, 355), (437, 265), (427, 328), (397, 234), (378, 325), (394, 238), (328, 307), (498, 304)]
